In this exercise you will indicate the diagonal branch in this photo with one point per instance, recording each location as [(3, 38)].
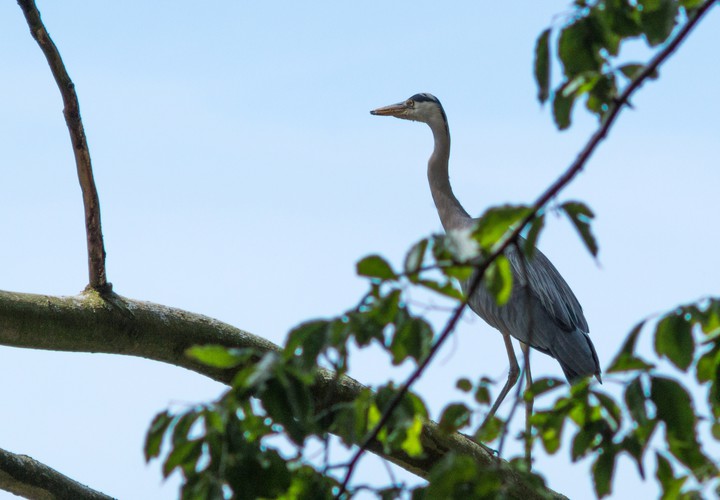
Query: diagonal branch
[(26, 477), (513, 235), (89, 323), (91, 203)]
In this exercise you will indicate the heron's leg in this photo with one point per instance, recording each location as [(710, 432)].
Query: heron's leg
[(511, 380), (528, 405)]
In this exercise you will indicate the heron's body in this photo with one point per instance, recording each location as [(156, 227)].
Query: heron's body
[(542, 311)]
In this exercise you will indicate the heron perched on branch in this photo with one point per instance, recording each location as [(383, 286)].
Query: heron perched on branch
[(542, 311)]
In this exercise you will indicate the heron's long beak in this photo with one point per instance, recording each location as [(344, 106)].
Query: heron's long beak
[(398, 110)]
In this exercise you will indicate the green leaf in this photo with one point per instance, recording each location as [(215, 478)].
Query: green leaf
[(542, 65), (413, 338), (154, 437), (603, 470), (375, 266), (533, 234), (562, 109), (577, 48), (635, 400), (542, 386), (490, 430), (580, 215), (691, 4), (671, 485), (583, 442), (447, 289), (464, 385), (499, 280), (674, 340), (496, 222), (551, 432), (412, 444), (626, 359), (658, 19), (454, 417), (217, 356), (415, 257), (675, 409), (482, 393), (306, 341), (187, 451)]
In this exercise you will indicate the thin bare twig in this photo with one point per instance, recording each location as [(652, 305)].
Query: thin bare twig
[(552, 191), (91, 202)]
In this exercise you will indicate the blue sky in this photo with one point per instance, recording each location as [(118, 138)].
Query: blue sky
[(241, 176)]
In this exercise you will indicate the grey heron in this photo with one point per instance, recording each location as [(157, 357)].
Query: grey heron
[(542, 311)]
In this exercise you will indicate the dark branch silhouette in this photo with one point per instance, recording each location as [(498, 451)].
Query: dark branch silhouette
[(91, 202)]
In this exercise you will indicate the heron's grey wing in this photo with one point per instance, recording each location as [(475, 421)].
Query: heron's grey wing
[(546, 283), (542, 312), (558, 321)]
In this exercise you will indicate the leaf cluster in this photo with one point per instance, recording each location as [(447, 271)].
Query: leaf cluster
[(588, 46), (606, 427)]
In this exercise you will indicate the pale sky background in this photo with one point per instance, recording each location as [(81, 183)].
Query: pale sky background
[(241, 176)]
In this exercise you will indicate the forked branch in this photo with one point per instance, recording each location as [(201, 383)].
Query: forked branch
[(91, 202)]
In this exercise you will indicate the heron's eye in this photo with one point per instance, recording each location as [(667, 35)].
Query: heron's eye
[(410, 103)]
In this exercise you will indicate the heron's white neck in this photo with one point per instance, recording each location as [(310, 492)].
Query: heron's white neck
[(452, 214)]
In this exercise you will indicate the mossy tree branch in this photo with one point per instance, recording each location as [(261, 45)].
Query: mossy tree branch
[(117, 325), (26, 477)]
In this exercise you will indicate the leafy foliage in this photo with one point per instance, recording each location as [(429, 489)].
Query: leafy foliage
[(588, 48), (257, 439)]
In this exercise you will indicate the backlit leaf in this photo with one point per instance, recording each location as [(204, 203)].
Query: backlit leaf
[(217, 356), (542, 65), (375, 266), (580, 215), (674, 340)]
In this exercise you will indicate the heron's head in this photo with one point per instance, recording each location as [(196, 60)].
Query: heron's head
[(424, 108)]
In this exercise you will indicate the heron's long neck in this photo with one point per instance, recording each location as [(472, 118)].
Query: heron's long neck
[(452, 214)]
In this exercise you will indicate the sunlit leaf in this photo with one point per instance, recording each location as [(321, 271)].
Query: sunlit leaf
[(497, 221), (499, 280), (671, 485), (412, 445), (217, 356)]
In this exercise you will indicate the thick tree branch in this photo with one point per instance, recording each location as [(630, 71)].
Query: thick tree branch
[(90, 323), (93, 229), (26, 477)]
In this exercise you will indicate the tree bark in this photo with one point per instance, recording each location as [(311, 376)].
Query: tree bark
[(117, 325), (26, 477)]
